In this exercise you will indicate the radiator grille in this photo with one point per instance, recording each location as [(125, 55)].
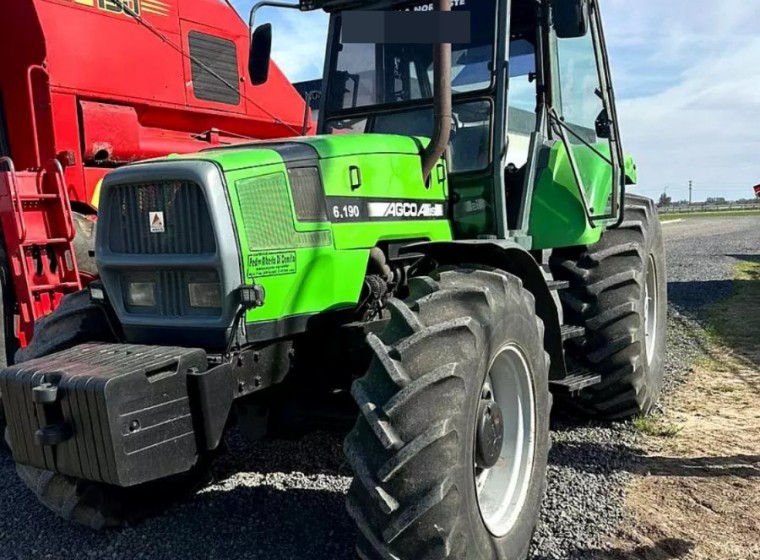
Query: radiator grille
[(187, 227), (268, 217)]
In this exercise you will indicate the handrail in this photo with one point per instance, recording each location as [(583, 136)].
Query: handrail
[(15, 199), (63, 193), (32, 110)]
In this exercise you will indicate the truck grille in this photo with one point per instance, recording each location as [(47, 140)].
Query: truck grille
[(166, 217)]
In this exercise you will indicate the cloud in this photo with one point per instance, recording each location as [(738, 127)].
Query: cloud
[(685, 75), (686, 81)]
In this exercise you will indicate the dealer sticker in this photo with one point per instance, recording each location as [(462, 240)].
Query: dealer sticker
[(271, 263), (156, 220)]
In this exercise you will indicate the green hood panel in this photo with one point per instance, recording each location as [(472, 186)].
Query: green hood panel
[(256, 154)]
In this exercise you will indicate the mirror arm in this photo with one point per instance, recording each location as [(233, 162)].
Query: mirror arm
[(267, 3)]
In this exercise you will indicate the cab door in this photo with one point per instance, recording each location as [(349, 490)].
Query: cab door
[(580, 192)]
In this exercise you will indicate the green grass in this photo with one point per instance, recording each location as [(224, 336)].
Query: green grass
[(735, 321), (726, 214), (655, 426)]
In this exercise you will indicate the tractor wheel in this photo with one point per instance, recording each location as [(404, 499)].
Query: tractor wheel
[(102, 506), (8, 342), (84, 243), (450, 449), (618, 291), (93, 504)]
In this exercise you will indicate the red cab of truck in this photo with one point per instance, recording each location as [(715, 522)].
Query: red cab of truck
[(87, 85)]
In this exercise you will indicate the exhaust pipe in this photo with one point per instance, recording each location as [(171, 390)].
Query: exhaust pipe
[(441, 100)]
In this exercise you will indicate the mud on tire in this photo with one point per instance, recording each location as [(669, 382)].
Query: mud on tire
[(607, 295), (412, 449)]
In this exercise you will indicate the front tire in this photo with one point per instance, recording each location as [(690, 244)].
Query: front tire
[(424, 485), (93, 504)]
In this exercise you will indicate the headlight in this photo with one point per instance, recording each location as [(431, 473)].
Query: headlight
[(141, 294), (205, 294)]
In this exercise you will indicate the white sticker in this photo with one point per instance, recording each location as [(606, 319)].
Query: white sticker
[(405, 210), (156, 222)]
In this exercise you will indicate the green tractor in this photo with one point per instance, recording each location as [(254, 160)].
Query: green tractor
[(453, 248)]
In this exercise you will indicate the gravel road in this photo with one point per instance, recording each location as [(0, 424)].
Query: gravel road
[(291, 505)]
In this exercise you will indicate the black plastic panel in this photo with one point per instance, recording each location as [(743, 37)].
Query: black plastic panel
[(220, 56), (121, 412)]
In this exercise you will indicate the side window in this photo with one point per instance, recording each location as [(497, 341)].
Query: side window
[(578, 82), (521, 101), (580, 98), (522, 66), (219, 55)]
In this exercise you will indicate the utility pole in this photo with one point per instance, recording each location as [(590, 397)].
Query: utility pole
[(690, 184)]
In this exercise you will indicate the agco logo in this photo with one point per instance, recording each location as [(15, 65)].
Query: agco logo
[(138, 7), (405, 210)]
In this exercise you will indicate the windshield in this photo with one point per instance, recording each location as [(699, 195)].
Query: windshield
[(361, 75)]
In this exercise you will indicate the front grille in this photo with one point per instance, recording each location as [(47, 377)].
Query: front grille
[(167, 217)]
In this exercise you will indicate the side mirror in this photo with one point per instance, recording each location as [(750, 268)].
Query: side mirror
[(570, 18), (260, 54), (603, 125)]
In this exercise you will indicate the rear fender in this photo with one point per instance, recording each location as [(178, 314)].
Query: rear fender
[(513, 258)]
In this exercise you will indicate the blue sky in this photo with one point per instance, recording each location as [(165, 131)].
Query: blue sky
[(687, 77)]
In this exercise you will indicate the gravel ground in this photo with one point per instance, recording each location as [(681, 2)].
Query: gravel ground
[(291, 506)]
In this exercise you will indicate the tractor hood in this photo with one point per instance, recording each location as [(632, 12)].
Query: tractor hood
[(255, 154)]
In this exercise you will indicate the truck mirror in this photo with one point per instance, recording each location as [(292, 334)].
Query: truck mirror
[(259, 54), (570, 18)]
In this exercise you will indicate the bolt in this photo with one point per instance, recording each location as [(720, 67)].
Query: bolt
[(241, 386), (134, 425), (257, 381)]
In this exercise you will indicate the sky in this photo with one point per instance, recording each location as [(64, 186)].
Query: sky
[(686, 75)]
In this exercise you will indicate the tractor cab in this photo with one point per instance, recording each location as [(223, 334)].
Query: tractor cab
[(533, 121)]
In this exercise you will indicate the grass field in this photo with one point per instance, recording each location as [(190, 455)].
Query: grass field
[(727, 214)]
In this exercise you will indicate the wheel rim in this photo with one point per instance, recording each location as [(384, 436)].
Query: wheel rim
[(650, 309), (503, 488)]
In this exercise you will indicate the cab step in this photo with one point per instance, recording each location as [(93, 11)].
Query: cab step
[(557, 285), (571, 331), (576, 381)]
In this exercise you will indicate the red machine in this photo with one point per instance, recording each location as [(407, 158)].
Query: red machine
[(87, 85)]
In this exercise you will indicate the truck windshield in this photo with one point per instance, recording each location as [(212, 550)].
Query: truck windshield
[(362, 75)]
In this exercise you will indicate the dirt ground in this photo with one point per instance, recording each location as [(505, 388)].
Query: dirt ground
[(696, 488)]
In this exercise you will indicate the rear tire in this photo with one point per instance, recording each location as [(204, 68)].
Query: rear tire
[(418, 492), (610, 283), (94, 504)]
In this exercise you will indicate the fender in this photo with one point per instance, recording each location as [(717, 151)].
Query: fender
[(513, 258)]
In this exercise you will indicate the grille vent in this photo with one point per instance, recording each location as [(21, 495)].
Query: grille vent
[(186, 220), (219, 55), (308, 195), (268, 218)]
